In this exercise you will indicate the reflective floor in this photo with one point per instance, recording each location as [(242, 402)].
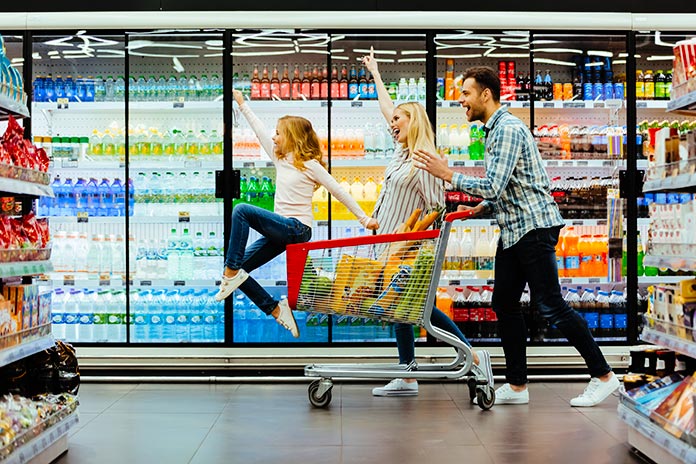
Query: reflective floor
[(274, 423)]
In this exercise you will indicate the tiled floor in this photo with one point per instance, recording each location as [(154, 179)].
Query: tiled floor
[(274, 423)]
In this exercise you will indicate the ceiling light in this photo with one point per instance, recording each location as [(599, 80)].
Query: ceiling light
[(619, 61), (268, 53), (339, 57), (506, 55), (600, 53), (161, 55), (212, 55), (414, 52), (381, 52), (591, 65), (557, 62), (17, 60), (316, 52), (214, 43), (53, 53), (558, 50), (660, 58), (514, 39), (545, 42), (411, 60), (470, 55), (215, 48), (622, 55), (337, 37)]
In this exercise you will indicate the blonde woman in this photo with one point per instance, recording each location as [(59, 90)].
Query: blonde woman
[(406, 188), (296, 154)]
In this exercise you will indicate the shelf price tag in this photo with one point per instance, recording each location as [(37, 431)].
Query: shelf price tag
[(104, 280), (324, 104), (594, 280), (506, 104), (184, 216), (641, 104), (68, 279), (145, 283), (573, 104), (478, 163), (551, 163), (179, 103), (548, 105), (356, 104), (526, 104), (455, 282), (69, 164), (598, 105), (62, 103), (281, 283), (438, 104), (82, 217), (179, 283), (566, 280)]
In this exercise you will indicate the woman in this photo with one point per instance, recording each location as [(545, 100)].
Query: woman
[(405, 189), (296, 153)]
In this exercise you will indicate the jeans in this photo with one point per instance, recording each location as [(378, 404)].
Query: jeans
[(405, 339), (277, 231), (532, 261)]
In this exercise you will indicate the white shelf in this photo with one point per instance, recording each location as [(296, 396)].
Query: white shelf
[(81, 281), (24, 187), (169, 219), (12, 107), (684, 105), (551, 164), (46, 447), (23, 268), (680, 182), (652, 104), (164, 164), (672, 342), (670, 262), (284, 105), (657, 436), (658, 280), (17, 352), (94, 107)]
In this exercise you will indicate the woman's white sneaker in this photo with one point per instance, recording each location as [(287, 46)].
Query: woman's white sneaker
[(595, 392), (286, 319), (230, 284), (397, 387)]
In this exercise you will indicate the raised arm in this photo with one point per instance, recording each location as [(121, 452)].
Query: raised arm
[(385, 102), (265, 137)]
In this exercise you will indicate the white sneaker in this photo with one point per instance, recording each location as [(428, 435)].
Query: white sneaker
[(397, 387), (286, 319), (485, 365), (506, 395), (596, 392), (230, 284)]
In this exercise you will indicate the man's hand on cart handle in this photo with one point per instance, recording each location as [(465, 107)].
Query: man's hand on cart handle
[(475, 210), (433, 163)]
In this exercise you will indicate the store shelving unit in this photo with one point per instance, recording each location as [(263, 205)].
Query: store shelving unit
[(14, 108), (644, 435), (46, 441)]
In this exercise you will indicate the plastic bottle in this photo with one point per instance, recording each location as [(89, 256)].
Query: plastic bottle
[(106, 199), (139, 315), (239, 319), (172, 89), (72, 314), (58, 314), (100, 317), (132, 256), (87, 306), (116, 330), (451, 265), (474, 303), (186, 256), (155, 316), (572, 255), (444, 302), (119, 192), (173, 256), (484, 268), (467, 264)]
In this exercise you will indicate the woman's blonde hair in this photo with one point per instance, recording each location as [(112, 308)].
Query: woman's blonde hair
[(420, 132), (301, 140)]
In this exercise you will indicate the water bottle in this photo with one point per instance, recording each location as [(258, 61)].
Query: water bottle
[(218, 309), (119, 196), (109, 89), (59, 88), (161, 89), (118, 257), (412, 89), (205, 302), (216, 87), (115, 313), (239, 319), (141, 89), (72, 313), (173, 256), (131, 197), (91, 192), (66, 201), (100, 316), (99, 89), (39, 89), (69, 88), (80, 89), (150, 89), (421, 89), (140, 316), (89, 89), (205, 93), (182, 87), (106, 258), (192, 89), (157, 320), (196, 314), (119, 89), (369, 142), (106, 199), (85, 305), (172, 89), (186, 256), (58, 314)]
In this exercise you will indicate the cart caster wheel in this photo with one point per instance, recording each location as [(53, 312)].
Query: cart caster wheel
[(316, 400), (485, 398), (472, 388)]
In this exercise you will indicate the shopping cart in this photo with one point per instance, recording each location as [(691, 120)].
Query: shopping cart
[(391, 278)]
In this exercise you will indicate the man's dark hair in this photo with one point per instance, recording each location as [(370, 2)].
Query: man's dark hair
[(486, 78)]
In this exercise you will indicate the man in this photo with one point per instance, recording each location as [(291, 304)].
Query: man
[(516, 187)]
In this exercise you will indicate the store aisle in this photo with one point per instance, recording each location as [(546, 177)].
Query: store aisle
[(274, 423)]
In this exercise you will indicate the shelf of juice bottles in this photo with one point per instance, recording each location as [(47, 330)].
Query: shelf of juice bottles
[(45, 446), (683, 105), (673, 262), (11, 107), (655, 435)]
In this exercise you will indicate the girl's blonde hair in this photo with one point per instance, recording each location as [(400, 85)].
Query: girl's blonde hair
[(301, 140), (420, 133)]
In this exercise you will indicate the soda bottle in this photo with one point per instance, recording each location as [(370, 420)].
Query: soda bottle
[(353, 88), (284, 89), (274, 88), (306, 85), (267, 194), (296, 85), (324, 84), (315, 84), (335, 88), (640, 255), (460, 309)]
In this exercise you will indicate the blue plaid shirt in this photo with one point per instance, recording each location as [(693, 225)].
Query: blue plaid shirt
[(516, 185)]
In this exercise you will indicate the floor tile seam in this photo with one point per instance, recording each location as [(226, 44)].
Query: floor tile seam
[(113, 402), (205, 437)]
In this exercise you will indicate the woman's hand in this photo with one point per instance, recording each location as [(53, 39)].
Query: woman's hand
[(238, 96), (372, 224), (370, 63)]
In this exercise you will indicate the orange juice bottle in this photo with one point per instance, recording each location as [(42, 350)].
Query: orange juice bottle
[(560, 256), (444, 302), (586, 256), (572, 255), (601, 251)]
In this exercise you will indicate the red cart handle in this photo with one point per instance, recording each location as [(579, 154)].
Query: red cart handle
[(451, 217)]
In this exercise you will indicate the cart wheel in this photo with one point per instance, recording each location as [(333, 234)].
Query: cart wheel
[(472, 388), (485, 398), (318, 401)]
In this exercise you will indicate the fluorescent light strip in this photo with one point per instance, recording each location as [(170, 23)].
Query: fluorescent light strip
[(17, 60), (161, 55), (558, 50), (660, 58), (214, 43), (212, 55), (514, 39), (619, 61), (557, 62), (545, 42), (269, 53), (316, 52), (215, 48), (506, 55), (338, 57), (381, 52), (36, 55), (411, 60), (448, 47), (600, 53), (414, 52), (470, 55), (338, 50), (53, 53)]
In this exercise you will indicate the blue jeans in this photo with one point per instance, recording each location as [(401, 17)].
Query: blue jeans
[(532, 261), (278, 232), (405, 339)]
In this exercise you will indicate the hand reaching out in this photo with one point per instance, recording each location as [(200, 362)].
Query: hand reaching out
[(238, 96), (369, 62)]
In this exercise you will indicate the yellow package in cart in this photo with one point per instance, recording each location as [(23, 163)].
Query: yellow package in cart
[(354, 281)]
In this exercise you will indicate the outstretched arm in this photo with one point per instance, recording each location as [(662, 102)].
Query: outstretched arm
[(385, 103), (257, 126)]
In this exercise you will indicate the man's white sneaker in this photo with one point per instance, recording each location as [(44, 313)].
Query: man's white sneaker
[(397, 387), (485, 365), (230, 284), (506, 395), (286, 319), (596, 392)]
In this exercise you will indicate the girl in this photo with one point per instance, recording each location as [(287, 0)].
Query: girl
[(405, 189), (296, 154)]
